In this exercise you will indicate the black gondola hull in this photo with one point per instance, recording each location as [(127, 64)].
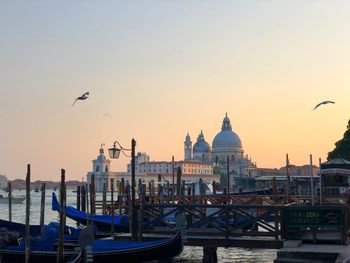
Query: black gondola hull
[(158, 252), (162, 251)]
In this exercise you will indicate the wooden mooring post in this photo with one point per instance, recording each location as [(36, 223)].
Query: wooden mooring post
[(112, 208), (60, 251), (173, 185), (104, 199), (92, 195), (10, 201), (183, 188), (83, 198), (87, 186), (27, 246), (210, 255), (141, 214), (178, 181), (42, 209), (78, 198), (120, 197)]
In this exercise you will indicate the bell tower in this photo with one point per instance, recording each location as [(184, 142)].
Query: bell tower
[(101, 164), (188, 147)]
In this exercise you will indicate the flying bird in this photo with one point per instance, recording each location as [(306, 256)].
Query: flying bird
[(82, 97), (107, 115), (323, 103)]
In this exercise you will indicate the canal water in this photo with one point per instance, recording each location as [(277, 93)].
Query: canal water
[(190, 254)]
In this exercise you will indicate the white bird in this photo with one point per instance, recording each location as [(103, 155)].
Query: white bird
[(82, 97), (323, 103)]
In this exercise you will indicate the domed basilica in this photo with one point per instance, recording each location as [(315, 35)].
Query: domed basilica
[(226, 143)]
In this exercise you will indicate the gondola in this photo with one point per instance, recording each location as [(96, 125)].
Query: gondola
[(44, 250), (102, 222), (34, 230)]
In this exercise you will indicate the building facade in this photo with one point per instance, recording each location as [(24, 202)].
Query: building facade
[(147, 171), (300, 181), (101, 170), (3, 181), (163, 171), (225, 144)]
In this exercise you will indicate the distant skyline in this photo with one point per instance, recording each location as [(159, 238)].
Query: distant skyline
[(160, 69)]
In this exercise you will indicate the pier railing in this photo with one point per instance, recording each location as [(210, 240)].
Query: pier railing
[(224, 220), (122, 202)]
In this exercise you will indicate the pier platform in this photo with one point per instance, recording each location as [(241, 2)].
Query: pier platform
[(310, 253), (214, 241)]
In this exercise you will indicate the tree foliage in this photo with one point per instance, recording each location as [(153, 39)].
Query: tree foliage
[(342, 147)]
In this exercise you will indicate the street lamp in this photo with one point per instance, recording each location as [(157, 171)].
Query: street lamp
[(114, 154)]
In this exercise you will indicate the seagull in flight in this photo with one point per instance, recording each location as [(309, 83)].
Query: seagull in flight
[(323, 103), (82, 97)]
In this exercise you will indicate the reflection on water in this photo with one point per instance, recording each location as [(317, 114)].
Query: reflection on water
[(190, 254)]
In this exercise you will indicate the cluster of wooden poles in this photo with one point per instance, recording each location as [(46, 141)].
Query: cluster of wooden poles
[(60, 251)]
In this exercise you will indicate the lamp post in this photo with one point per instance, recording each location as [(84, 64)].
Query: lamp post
[(114, 154)]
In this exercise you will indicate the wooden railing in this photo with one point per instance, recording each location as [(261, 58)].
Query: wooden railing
[(122, 202), (212, 219)]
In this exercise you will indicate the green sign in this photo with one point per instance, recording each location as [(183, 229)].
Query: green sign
[(313, 216)]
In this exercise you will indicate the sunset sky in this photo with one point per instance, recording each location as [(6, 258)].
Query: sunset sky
[(163, 68)]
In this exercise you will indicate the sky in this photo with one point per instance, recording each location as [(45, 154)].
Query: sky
[(163, 68)]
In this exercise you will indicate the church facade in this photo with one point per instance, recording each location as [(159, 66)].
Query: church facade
[(225, 144), (101, 170)]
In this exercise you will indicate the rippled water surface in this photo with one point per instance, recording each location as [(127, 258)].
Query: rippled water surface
[(190, 254)]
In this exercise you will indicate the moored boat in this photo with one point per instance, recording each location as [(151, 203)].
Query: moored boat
[(101, 222), (34, 230), (45, 250), (15, 200)]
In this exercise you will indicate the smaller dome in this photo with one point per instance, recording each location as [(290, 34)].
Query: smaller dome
[(201, 146)]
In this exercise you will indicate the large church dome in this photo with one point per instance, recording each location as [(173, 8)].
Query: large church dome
[(226, 138)]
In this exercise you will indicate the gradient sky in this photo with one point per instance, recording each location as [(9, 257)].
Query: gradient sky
[(162, 68)]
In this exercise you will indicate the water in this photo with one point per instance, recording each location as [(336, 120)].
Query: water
[(190, 254)]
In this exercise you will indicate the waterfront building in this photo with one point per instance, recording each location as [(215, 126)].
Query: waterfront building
[(3, 181), (101, 170), (300, 181), (335, 177), (162, 171), (200, 161), (148, 171), (299, 170), (226, 143)]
